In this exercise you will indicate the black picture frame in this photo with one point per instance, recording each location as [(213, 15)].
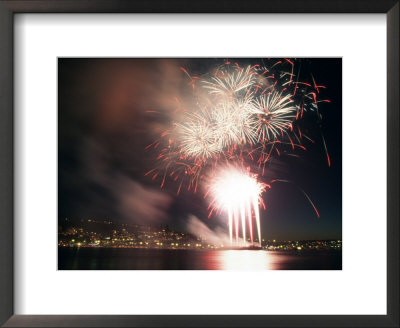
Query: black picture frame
[(10, 7)]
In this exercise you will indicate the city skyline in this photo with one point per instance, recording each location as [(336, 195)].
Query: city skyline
[(75, 233)]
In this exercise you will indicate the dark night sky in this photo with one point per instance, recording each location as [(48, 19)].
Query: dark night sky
[(104, 129)]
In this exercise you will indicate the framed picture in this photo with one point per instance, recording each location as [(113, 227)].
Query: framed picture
[(199, 164)]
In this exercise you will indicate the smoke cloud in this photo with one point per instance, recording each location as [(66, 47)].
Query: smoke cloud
[(218, 236)]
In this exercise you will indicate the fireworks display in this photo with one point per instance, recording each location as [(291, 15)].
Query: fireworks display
[(236, 118)]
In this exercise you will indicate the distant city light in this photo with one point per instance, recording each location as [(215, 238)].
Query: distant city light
[(150, 237)]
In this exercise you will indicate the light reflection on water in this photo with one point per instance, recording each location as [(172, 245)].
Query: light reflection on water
[(163, 259), (241, 260)]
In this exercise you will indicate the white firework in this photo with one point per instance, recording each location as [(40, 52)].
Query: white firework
[(276, 112), (234, 122), (230, 83), (231, 114), (197, 136)]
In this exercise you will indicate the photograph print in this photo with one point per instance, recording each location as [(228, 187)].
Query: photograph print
[(200, 164)]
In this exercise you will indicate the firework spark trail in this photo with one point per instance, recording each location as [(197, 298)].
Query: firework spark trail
[(326, 150), (230, 222), (257, 214), (302, 191), (249, 216)]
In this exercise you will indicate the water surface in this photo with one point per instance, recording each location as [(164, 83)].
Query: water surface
[(164, 259)]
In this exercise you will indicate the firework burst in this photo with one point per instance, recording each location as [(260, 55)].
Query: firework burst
[(276, 113), (198, 136), (227, 83), (238, 193)]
